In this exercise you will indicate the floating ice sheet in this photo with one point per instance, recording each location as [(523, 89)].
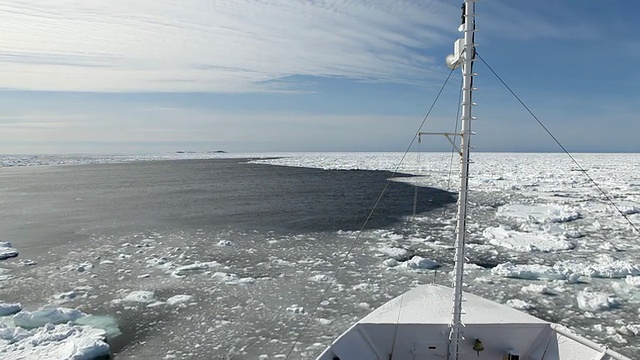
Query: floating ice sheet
[(61, 341), (525, 242), (179, 300), (29, 320), (532, 272), (7, 251), (596, 301), (9, 309), (140, 296), (418, 262), (549, 213)]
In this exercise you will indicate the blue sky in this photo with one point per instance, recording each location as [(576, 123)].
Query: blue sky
[(324, 75)]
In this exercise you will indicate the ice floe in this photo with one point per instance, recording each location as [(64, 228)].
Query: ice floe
[(537, 289), (140, 296), (320, 278), (550, 213), (34, 319), (54, 333), (391, 263), (419, 263), (396, 253), (531, 272), (296, 309), (633, 280), (596, 301), (604, 266), (195, 267), (520, 304), (7, 251), (9, 309), (179, 300), (521, 241), (61, 341), (232, 279)]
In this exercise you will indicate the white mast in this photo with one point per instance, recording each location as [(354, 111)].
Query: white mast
[(467, 53)]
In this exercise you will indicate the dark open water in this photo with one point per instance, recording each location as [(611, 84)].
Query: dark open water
[(65, 215), (48, 206)]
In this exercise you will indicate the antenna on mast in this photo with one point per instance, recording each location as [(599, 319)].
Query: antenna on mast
[(463, 56)]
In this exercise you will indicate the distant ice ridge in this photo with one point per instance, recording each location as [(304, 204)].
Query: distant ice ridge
[(84, 159), (527, 173)]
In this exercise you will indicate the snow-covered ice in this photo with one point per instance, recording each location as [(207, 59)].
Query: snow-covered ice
[(539, 213), (522, 241), (633, 280), (419, 262), (139, 296), (296, 309), (537, 289), (520, 304), (61, 341), (596, 301), (179, 300), (394, 252), (603, 266), (7, 251), (9, 309), (232, 279), (34, 319), (195, 267), (530, 272)]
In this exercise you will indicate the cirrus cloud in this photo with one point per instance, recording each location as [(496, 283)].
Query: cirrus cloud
[(215, 45)]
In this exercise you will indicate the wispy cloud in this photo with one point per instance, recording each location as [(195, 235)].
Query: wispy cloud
[(538, 19), (217, 45), (42, 121)]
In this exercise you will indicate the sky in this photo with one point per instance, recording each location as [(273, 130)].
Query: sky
[(156, 76)]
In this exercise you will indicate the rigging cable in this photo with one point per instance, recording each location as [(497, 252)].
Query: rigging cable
[(455, 131), (606, 196), (357, 238), (415, 188)]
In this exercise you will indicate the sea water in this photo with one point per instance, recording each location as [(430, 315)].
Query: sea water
[(229, 258)]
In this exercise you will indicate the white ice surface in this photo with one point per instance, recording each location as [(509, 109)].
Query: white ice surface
[(179, 300), (195, 267), (296, 309), (548, 213), (7, 251), (418, 262), (52, 342), (394, 252), (520, 304), (9, 309), (522, 241), (596, 301), (232, 279), (139, 296), (633, 280), (531, 272), (603, 266), (34, 319)]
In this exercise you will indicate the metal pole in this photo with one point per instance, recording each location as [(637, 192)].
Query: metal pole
[(468, 28)]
